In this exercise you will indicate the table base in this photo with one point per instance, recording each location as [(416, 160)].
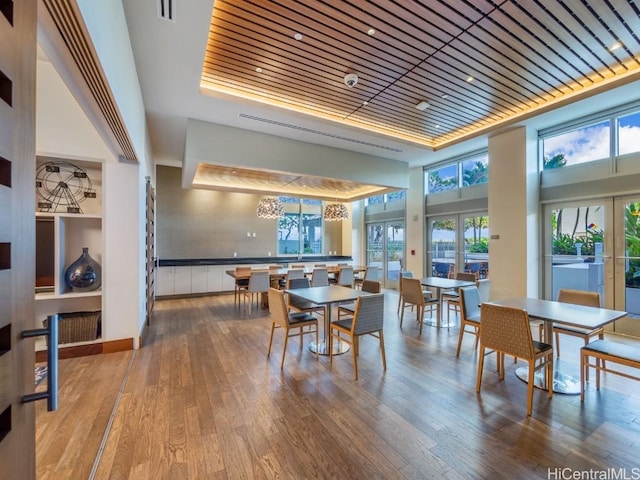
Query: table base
[(562, 383), (433, 322), (323, 348)]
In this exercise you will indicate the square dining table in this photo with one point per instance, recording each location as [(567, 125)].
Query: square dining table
[(328, 296), (440, 283), (550, 312)]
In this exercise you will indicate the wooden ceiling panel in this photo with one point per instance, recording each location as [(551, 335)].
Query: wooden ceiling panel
[(522, 55)]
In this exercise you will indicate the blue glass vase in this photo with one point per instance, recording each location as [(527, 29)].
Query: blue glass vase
[(83, 275)]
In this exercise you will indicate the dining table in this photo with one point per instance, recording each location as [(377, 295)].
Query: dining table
[(282, 272), (328, 296), (439, 284), (550, 312)]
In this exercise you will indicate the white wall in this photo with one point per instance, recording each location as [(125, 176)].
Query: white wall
[(513, 215), (415, 223)]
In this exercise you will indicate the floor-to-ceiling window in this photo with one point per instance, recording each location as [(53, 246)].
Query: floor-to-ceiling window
[(590, 188), (457, 223), (385, 240), (301, 229)]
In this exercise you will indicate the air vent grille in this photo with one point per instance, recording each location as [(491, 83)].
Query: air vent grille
[(318, 132), (166, 10)]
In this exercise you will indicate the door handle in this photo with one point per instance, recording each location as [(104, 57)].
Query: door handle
[(51, 332)]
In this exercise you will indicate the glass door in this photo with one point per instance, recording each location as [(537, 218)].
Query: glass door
[(475, 238), (578, 246), (442, 251), (627, 263), (385, 250)]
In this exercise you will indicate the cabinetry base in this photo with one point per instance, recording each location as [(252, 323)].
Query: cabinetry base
[(89, 349)]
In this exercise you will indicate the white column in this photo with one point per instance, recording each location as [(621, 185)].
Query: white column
[(514, 260)]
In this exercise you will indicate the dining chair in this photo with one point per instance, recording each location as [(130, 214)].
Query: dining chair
[(258, 285), (400, 277), (345, 277), (452, 297), (298, 304), (293, 274), (368, 286), (371, 273), (469, 314), (368, 319), (442, 269), (240, 283), (320, 277), (577, 297), (413, 295), (282, 318), (507, 331)]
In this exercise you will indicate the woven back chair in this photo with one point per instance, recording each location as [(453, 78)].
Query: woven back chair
[(258, 284), (469, 314), (578, 297), (452, 297), (368, 319), (368, 286), (413, 295), (298, 304), (507, 331), (371, 273), (345, 277), (400, 277), (241, 283), (320, 277), (292, 274), (281, 318)]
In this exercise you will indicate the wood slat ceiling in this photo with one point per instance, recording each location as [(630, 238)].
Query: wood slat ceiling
[(524, 56)]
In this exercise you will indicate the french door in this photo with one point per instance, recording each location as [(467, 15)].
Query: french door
[(594, 245), (458, 243), (385, 250)]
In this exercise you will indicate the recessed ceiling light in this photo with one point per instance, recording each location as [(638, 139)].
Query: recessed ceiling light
[(365, 103), (297, 36), (437, 126), (371, 31), (470, 79), (444, 95), (615, 46), (423, 105), (258, 69)]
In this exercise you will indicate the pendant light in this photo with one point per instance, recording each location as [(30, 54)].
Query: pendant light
[(334, 212), (270, 207)]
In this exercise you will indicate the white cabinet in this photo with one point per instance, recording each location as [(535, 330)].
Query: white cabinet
[(174, 281), (200, 279), (214, 277)]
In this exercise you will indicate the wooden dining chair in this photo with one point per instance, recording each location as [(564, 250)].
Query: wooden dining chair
[(469, 300), (507, 331), (282, 318), (320, 277), (298, 304), (371, 273), (413, 295), (452, 297), (368, 286), (400, 277), (258, 285), (368, 319), (240, 284)]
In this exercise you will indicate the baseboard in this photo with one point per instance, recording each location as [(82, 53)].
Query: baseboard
[(90, 349)]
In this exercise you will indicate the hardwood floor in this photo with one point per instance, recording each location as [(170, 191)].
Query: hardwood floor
[(202, 401)]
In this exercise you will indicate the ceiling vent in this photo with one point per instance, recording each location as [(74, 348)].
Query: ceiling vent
[(318, 132), (167, 10)]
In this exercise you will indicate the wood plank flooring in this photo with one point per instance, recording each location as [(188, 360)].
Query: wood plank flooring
[(203, 401)]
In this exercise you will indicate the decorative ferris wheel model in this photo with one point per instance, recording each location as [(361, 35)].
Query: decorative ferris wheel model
[(60, 185)]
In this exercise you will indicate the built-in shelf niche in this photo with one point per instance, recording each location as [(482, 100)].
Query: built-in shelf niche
[(5, 172), (6, 87), (6, 7)]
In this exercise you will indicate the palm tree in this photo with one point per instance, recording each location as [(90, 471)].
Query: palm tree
[(556, 161)]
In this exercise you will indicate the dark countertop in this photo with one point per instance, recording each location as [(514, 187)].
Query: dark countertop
[(187, 262)]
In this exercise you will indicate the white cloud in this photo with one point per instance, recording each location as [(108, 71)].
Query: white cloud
[(584, 145), (629, 138)]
